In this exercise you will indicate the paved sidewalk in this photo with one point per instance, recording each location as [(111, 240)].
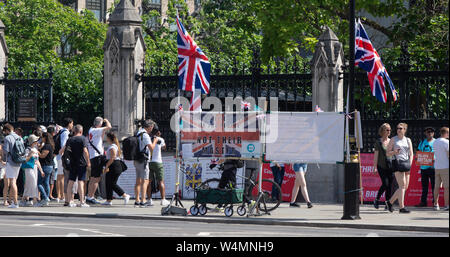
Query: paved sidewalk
[(321, 215)]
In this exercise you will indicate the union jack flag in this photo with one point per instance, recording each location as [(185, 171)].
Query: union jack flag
[(193, 65), (367, 58)]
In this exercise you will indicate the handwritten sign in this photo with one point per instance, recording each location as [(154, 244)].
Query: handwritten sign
[(425, 158)]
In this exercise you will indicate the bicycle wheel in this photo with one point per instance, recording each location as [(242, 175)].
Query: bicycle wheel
[(210, 183), (272, 202)]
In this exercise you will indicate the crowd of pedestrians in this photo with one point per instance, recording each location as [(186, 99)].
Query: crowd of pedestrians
[(393, 160), (61, 159)]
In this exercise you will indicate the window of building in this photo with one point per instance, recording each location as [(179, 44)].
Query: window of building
[(98, 7)]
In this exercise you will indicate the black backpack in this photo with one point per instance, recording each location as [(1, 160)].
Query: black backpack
[(66, 158), (130, 149), (57, 140)]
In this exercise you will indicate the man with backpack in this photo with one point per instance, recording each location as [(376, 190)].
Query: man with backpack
[(14, 149), (145, 145), (96, 153), (63, 174), (79, 162)]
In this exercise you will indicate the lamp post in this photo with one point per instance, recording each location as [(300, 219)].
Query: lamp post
[(351, 171)]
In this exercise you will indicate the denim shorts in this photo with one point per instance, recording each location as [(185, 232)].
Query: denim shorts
[(300, 167)]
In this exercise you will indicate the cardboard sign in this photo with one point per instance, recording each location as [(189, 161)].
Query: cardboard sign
[(425, 158)]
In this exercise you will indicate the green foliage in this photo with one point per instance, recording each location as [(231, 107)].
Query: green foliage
[(45, 33), (288, 25)]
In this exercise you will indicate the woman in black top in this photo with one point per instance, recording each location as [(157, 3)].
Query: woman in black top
[(380, 164), (46, 160)]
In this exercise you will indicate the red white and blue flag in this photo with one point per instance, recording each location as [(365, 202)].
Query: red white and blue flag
[(367, 58), (193, 65)]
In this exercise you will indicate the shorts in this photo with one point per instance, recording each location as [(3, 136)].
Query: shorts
[(96, 167), (441, 176), (12, 171), (142, 169), (300, 167), (77, 172), (156, 170), (60, 168)]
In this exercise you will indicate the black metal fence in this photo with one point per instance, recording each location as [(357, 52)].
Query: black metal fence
[(32, 85)]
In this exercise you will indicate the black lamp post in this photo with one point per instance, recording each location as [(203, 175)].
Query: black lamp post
[(352, 170)]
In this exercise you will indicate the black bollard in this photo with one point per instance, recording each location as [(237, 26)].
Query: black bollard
[(351, 191)]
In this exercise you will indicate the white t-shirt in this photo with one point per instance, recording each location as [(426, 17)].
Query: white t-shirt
[(108, 152), (144, 140), (95, 135), (156, 156), (63, 137), (440, 147)]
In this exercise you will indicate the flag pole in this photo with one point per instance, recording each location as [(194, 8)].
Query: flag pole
[(351, 170)]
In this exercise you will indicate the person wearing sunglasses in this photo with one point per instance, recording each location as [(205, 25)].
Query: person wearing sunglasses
[(401, 148), (381, 164), (426, 172)]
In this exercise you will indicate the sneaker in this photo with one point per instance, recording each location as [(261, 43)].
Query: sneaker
[(72, 204), (66, 204), (84, 205), (29, 203), (164, 202), (294, 205), (22, 204), (92, 201), (421, 205), (38, 204), (404, 210), (445, 209), (149, 203), (376, 204), (390, 207), (136, 204), (44, 203), (385, 207), (309, 205), (106, 203), (142, 205), (436, 207), (13, 206), (126, 199)]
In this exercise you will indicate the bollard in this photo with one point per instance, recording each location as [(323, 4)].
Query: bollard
[(351, 191)]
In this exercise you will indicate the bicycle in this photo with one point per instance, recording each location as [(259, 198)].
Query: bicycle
[(265, 201)]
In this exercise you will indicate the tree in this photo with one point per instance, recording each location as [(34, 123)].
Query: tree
[(288, 25), (43, 33)]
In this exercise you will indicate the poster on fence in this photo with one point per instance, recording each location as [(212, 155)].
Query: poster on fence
[(127, 179), (220, 135), (371, 183), (288, 181), (198, 171)]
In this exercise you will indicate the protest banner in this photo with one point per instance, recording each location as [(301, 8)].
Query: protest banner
[(371, 182)]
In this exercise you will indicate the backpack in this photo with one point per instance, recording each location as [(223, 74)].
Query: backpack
[(18, 153), (57, 140), (66, 158), (131, 151)]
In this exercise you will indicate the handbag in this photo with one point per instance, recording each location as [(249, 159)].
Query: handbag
[(101, 159), (401, 165), (124, 166)]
